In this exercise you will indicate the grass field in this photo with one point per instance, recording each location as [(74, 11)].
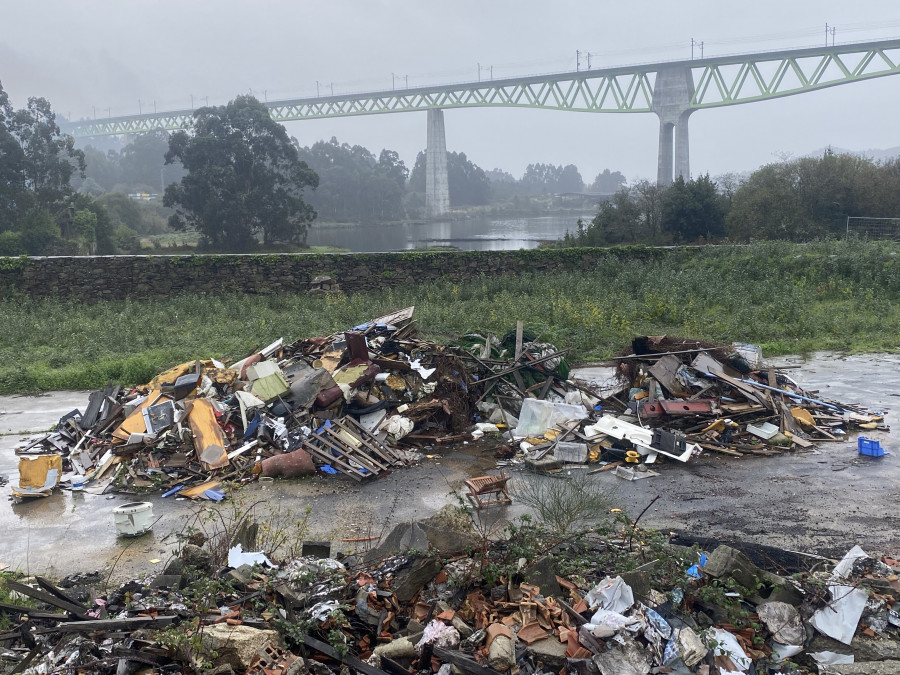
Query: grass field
[(787, 297)]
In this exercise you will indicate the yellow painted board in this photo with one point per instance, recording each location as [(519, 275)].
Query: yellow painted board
[(209, 441), (134, 423), (198, 490), (173, 373), (803, 416), (38, 475)]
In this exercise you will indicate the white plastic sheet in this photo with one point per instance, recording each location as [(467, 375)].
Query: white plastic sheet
[(839, 618), (831, 658), (611, 594), (842, 569), (782, 652), (727, 645), (537, 416), (606, 623), (237, 557)]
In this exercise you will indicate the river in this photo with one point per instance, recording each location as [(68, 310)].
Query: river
[(476, 234)]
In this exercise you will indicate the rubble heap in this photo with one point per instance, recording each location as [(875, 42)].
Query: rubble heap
[(362, 401), (441, 612)]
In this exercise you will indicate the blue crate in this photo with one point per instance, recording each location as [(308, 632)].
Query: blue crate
[(869, 447)]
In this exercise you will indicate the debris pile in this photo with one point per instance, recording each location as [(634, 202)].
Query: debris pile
[(351, 403), (725, 399), (364, 401), (436, 611), (676, 398)]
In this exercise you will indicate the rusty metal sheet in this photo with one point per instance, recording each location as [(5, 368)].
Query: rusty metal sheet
[(676, 408), (650, 409)]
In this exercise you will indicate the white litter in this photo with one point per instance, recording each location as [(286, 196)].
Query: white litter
[(842, 569), (839, 618), (237, 557), (610, 594), (831, 658), (727, 645)]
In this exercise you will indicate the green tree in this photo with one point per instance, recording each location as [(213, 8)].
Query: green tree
[(768, 206), (49, 157), (468, 183), (692, 209), (245, 178), (12, 168), (85, 222), (608, 182), (353, 185), (38, 230)]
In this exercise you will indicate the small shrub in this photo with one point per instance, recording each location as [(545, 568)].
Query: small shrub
[(564, 502)]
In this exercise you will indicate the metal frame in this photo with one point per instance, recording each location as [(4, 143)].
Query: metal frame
[(605, 90)]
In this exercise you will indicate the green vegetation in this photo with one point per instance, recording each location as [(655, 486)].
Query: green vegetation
[(245, 179), (798, 200), (787, 297)]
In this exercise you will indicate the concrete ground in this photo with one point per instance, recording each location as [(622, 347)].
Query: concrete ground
[(822, 500)]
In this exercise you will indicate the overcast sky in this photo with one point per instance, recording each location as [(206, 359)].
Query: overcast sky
[(105, 55)]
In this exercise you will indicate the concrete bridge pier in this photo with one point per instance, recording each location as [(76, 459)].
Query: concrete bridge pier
[(672, 96), (437, 184)]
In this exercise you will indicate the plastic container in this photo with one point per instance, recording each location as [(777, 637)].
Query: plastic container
[(133, 519), (869, 447)]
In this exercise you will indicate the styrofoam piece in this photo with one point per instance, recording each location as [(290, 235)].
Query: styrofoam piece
[(764, 431)]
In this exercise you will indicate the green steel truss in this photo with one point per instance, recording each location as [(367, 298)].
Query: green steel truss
[(719, 81)]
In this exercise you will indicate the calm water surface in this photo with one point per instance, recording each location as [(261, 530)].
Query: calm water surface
[(477, 234)]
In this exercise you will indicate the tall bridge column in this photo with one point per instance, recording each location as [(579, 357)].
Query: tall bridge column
[(437, 184), (672, 96)]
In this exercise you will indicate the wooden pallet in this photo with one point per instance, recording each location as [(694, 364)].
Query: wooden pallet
[(352, 450)]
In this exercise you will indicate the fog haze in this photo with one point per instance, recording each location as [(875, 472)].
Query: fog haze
[(102, 58)]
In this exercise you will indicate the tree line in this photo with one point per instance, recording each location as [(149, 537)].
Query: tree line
[(795, 200), (40, 212)]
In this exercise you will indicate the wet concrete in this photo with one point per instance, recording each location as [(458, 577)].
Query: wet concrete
[(826, 500)]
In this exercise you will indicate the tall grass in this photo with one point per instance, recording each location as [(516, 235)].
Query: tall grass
[(786, 297)]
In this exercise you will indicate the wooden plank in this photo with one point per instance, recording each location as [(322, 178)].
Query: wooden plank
[(665, 371), (50, 588), (347, 659), (608, 467), (8, 608), (209, 441), (718, 448), (463, 662), (520, 327), (45, 597), (708, 364), (802, 442), (115, 624), (336, 462), (336, 444), (134, 423)]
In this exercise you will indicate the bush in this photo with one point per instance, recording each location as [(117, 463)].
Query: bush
[(11, 243), (564, 502)]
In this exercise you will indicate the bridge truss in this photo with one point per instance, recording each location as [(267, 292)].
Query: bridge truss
[(719, 81)]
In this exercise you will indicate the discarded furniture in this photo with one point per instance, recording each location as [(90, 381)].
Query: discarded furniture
[(482, 488)]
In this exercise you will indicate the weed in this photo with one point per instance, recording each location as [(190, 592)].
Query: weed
[(276, 529), (786, 297), (563, 502)]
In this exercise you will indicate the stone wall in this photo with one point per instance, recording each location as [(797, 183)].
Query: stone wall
[(118, 277)]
